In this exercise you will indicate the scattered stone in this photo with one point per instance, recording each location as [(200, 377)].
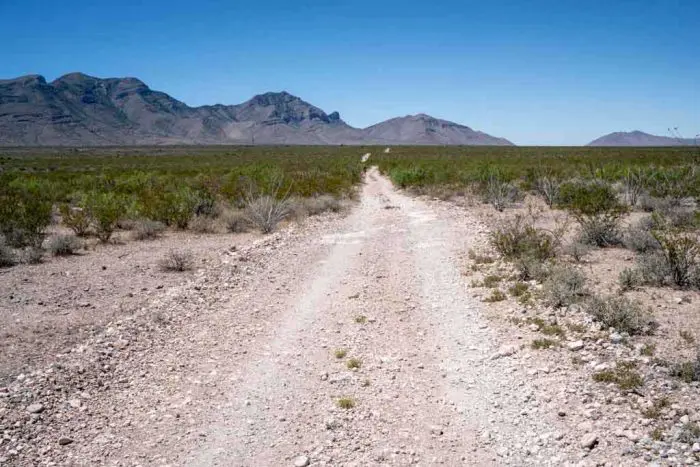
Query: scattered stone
[(35, 408), (505, 351), (301, 461), (589, 441), (64, 441), (575, 346)]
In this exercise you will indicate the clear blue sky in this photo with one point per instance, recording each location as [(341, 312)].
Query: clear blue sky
[(536, 72)]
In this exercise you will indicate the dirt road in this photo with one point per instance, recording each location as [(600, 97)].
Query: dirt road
[(250, 374), (387, 289)]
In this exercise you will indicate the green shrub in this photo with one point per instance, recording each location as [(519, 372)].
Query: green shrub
[(411, 176), (622, 314), (653, 268), (75, 218), (543, 343), (24, 216), (105, 209), (596, 208), (518, 238)]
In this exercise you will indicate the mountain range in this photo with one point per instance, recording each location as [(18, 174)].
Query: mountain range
[(639, 138), (81, 110)]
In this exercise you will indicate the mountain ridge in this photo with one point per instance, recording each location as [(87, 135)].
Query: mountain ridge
[(639, 138), (79, 109)]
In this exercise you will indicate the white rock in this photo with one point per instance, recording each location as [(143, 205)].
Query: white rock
[(35, 408), (301, 461), (696, 447), (616, 338), (575, 346)]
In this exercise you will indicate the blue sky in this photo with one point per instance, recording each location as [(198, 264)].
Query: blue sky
[(535, 72)]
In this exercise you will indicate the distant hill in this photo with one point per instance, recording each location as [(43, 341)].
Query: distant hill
[(424, 129), (639, 138), (81, 110)]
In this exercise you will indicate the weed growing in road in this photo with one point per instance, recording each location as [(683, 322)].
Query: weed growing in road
[(479, 258), (346, 403), (340, 353), (366, 383), (354, 364), (360, 319)]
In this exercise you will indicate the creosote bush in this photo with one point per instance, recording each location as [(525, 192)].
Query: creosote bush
[(177, 261), (63, 245), (629, 279), (639, 237), (518, 238), (76, 219), (596, 208), (105, 208), (622, 314)]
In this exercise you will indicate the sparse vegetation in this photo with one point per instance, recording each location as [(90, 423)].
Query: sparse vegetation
[(360, 319), (656, 409), (491, 281), (340, 353), (687, 371), (346, 403), (596, 208), (63, 245), (623, 375), (628, 279), (496, 296), (354, 363), (564, 286), (622, 314), (544, 343), (146, 229), (177, 261)]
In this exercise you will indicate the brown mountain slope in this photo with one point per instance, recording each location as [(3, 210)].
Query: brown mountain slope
[(77, 109)]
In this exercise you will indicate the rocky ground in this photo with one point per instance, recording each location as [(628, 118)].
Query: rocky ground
[(346, 340)]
